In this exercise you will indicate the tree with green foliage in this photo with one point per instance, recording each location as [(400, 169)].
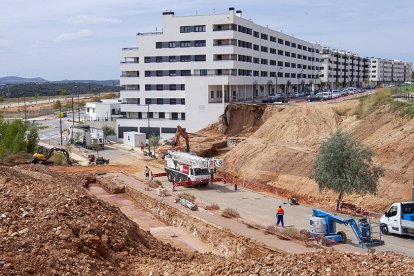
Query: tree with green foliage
[(68, 106), (63, 92), (17, 136), (1, 99), (344, 165), (82, 104), (107, 130), (32, 138), (57, 105), (154, 141)]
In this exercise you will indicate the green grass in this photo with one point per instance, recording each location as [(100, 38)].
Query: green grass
[(42, 126), (407, 88)]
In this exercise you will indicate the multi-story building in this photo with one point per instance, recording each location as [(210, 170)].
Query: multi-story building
[(188, 73), (342, 69), (385, 71)]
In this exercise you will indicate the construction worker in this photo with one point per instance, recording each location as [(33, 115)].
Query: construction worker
[(147, 173), (279, 215)]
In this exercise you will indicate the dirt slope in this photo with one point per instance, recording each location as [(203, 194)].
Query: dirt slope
[(280, 153), (51, 226)]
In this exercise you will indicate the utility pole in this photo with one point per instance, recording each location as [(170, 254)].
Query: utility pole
[(60, 124), (73, 122), (25, 111), (78, 108)]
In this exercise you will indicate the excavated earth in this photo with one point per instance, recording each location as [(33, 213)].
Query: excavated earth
[(281, 142), (51, 225)]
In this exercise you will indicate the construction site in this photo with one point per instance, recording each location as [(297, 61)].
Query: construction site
[(206, 202)]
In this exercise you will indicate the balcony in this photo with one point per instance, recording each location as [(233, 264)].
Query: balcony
[(224, 57), (225, 42), (224, 27), (130, 52)]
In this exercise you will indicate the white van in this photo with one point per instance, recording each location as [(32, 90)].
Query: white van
[(326, 95), (399, 219)]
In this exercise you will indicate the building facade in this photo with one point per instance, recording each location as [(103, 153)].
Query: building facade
[(187, 74), (343, 69), (384, 71), (105, 110)]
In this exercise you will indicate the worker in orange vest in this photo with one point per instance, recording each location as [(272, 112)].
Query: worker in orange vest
[(279, 215)]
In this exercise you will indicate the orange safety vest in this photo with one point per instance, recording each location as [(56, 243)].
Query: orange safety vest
[(280, 211)]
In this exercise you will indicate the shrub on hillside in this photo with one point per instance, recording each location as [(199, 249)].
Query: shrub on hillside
[(230, 213)]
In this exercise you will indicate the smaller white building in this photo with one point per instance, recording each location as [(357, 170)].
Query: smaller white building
[(105, 110), (134, 138)]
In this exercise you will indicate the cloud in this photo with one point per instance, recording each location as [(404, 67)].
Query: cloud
[(92, 19), (83, 34)]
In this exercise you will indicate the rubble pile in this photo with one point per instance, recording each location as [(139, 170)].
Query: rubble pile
[(50, 225)]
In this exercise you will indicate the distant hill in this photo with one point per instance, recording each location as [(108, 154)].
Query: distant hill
[(101, 82), (19, 80)]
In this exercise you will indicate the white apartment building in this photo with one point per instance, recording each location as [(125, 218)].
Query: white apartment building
[(188, 73), (383, 71), (105, 110), (343, 69)]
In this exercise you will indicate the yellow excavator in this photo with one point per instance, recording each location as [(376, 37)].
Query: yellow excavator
[(175, 144), (43, 154)]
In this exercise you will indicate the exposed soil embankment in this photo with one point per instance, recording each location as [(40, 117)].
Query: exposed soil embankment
[(278, 156)]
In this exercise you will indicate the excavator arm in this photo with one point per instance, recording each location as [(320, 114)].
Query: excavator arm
[(182, 133), (63, 151)]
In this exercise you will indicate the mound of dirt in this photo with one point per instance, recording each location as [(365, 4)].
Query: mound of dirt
[(50, 225), (278, 156)]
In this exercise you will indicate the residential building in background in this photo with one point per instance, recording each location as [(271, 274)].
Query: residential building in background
[(188, 73), (104, 110), (343, 69)]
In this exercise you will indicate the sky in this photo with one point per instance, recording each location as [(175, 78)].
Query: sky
[(82, 39)]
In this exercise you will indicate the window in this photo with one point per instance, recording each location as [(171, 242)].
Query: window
[(299, 47), (148, 87), (293, 75), (160, 101), (161, 115), (305, 48), (256, 60), (182, 116), (185, 72), (256, 34), (158, 45), (263, 61), (393, 211), (148, 73), (150, 115), (172, 87), (280, 52), (287, 54), (263, 73), (273, 62), (159, 73), (293, 55), (171, 44), (287, 75), (147, 59), (264, 49), (200, 28), (172, 59), (293, 45), (182, 101), (186, 29), (185, 58), (264, 36), (147, 101), (173, 101), (200, 43), (212, 94), (200, 58), (172, 73), (280, 41), (287, 43), (279, 74), (287, 64), (280, 63), (160, 87), (272, 38), (174, 115), (158, 59), (183, 87), (293, 65), (256, 73), (272, 51), (184, 44), (255, 47)]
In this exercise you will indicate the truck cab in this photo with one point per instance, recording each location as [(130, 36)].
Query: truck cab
[(398, 219)]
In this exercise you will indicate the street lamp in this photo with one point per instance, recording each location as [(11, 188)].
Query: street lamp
[(149, 128)]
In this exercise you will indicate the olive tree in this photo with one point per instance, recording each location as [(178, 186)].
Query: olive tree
[(344, 165), (107, 130), (154, 141)]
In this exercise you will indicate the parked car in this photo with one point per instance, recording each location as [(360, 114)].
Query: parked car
[(314, 98), (326, 95), (336, 94)]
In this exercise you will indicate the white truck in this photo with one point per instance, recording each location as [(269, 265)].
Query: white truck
[(399, 219), (186, 169)]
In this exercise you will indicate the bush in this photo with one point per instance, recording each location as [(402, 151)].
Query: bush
[(212, 206), (58, 159), (230, 213), (188, 197)]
